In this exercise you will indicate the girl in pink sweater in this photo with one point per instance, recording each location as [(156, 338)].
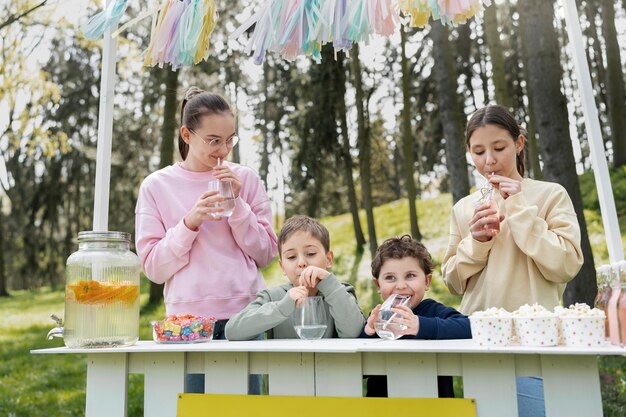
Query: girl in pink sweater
[(209, 263)]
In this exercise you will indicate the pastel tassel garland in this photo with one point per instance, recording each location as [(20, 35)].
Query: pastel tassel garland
[(209, 19), (181, 35), (109, 17), (181, 29), (302, 27)]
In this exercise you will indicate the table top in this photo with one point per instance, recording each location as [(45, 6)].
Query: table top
[(343, 346)]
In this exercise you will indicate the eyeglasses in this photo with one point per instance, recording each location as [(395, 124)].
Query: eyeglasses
[(218, 143)]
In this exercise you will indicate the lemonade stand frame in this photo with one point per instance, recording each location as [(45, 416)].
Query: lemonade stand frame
[(335, 367)]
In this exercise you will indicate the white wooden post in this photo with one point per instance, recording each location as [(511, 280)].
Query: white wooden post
[(107, 385), (105, 131), (592, 124)]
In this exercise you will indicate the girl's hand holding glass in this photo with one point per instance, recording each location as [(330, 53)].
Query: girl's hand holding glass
[(225, 190), (224, 173), (507, 186), (206, 208), (485, 223)]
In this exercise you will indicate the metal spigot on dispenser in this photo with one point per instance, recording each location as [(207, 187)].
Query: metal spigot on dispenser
[(57, 331)]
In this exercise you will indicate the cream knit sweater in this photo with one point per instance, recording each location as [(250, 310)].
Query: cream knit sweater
[(532, 258)]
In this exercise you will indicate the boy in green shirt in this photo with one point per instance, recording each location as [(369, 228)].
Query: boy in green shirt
[(304, 256)]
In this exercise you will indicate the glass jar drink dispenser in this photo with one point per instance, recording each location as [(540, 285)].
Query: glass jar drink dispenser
[(102, 292)]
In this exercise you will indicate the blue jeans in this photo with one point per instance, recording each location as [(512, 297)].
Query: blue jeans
[(530, 398), (194, 383)]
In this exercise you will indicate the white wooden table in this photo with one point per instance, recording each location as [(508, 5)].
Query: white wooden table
[(335, 367)]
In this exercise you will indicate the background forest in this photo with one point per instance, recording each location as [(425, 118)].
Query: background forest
[(354, 132), (371, 142)]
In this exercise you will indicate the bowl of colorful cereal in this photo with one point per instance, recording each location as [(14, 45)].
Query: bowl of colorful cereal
[(183, 329)]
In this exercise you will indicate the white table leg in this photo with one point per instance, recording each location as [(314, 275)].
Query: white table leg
[(291, 374), (164, 380), (412, 375), (571, 385), (338, 375), (226, 373), (107, 385), (490, 379)]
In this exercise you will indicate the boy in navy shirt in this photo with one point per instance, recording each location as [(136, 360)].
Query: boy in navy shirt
[(403, 266)]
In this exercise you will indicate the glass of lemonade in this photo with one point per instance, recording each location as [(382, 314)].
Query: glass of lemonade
[(309, 319)]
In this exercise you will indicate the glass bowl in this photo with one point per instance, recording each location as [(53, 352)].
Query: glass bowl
[(183, 329)]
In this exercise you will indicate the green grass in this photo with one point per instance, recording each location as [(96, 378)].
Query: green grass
[(43, 385)]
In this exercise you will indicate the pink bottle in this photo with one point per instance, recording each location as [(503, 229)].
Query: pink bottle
[(614, 331), (621, 304)]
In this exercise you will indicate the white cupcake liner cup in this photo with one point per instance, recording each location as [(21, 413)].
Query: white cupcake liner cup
[(491, 331), (537, 330), (582, 331)]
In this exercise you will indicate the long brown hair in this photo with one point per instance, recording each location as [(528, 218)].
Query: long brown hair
[(196, 104), (499, 116)]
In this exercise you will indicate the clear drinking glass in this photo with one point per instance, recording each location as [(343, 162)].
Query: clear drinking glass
[(488, 196), (386, 327), (225, 189), (309, 319)]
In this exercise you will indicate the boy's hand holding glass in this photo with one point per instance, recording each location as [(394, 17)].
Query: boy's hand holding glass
[(371, 320), (405, 317), (298, 294), (392, 320), (311, 275), (206, 208)]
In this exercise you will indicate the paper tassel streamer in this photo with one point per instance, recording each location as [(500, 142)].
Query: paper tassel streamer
[(208, 24), (181, 34), (109, 17), (301, 27)]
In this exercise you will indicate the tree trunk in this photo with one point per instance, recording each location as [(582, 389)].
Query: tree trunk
[(365, 148), (4, 291), (345, 150), (407, 139), (614, 84), (464, 46), (265, 157), (545, 73), (449, 110), (168, 133), (532, 146), (593, 51), (492, 38)]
